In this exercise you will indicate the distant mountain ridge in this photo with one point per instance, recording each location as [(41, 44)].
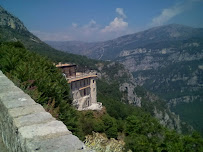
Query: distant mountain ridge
[(109, 50)]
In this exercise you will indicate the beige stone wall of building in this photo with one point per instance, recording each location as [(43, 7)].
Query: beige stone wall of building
[(84, 92), (93, 90)]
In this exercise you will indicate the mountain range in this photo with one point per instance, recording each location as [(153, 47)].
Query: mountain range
[(166, 60)]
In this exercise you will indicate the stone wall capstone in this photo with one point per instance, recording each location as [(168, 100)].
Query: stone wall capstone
[(26, 127)]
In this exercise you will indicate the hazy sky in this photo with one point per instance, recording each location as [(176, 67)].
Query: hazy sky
[(97, 20)]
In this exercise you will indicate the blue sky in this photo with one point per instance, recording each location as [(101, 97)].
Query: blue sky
[(98, 20)]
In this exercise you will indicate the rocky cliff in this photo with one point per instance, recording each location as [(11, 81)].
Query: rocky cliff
[(8, 21)]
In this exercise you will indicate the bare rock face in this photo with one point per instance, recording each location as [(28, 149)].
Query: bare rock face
[(131, 96), (167, 121), (6, 19), (186, 99)]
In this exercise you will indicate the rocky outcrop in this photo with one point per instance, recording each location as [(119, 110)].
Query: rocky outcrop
[(172, 121), (100, 143), (186, 99), (131, 96)]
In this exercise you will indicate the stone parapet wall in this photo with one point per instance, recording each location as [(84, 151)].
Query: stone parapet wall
[(26, 127)]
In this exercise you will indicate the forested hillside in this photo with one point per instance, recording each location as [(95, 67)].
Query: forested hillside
[(39, 78)]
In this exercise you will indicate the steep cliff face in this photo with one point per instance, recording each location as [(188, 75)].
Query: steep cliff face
[(172, 72)]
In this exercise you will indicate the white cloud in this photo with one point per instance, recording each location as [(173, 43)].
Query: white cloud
[(90, 31), (121, 12), (116, 25), (92, 24), (74, 25), (94, 32), (168, 13)]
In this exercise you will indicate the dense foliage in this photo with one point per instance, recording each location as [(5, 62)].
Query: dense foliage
[(45, 84), (191, 112)]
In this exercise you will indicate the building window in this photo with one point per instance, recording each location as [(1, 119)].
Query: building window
[(85, 92), (94, 89), (93, 81)]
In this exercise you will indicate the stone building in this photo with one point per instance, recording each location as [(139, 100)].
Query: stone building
[(83, 87)]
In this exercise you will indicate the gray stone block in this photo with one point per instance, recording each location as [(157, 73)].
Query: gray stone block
[(49, 129), (16, 98), (66, 143), (21, 111), (35, 118), (4, 81), (7, 88)]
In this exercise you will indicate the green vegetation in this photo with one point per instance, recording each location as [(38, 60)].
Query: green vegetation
[(191, 113), (39, 78), (45, 84)]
